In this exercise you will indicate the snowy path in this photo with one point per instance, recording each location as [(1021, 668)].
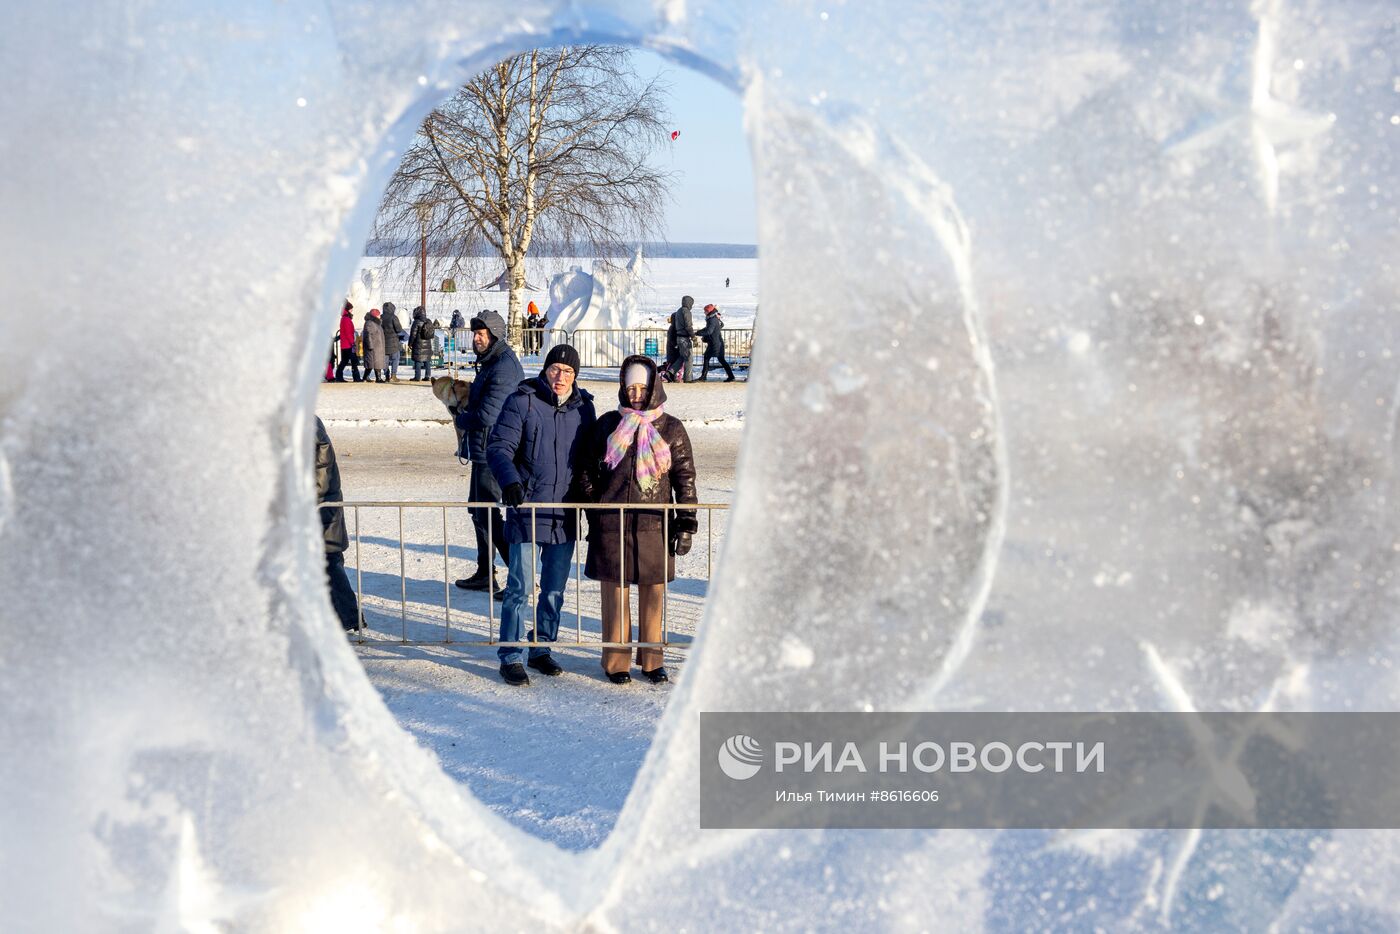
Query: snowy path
[(557, 758)]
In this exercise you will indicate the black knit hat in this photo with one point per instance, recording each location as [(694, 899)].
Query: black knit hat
[(562, 353)]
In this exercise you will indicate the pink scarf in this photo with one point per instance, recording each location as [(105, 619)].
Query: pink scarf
[(653, 453)]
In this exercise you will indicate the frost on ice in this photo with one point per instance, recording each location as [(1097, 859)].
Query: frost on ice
[(1148, 247)]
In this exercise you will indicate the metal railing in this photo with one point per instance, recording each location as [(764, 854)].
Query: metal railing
[(492, 617), (602, 347)]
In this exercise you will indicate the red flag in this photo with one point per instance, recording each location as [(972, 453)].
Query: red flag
[(674, 135)]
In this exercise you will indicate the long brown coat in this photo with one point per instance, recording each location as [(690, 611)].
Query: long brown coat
[(643, 546)]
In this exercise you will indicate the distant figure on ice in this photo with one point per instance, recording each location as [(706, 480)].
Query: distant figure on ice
[(420, 344), (714, 344), (680, 342), (726, 282), (533, 452), (348, 356), (498, 374), (333, 531), (637, 454), (376, 364), (393, 336)]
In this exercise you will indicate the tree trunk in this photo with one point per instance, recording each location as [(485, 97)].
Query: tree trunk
[(515, 319)]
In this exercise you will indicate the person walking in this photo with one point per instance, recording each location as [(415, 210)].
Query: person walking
[(533, 454), (343, 599), (376, 364), (393, 331), (678, 362), (348, 356), (420, 344), (498, 374), (714, 344), (637, 454)]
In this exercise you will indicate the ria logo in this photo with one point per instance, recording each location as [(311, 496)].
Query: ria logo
[(740, 757)]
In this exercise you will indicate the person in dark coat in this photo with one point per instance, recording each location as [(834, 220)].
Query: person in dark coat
[(714, 344), (533, 453), (532, 324), (498, 374), (637, 454), (389, 321), (680, 350), (458, 322), (420, 344), (376, 364), (348, 355), (333, 531)]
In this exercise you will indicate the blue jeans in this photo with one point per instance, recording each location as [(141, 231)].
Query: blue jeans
[(554, 574), (393, 365), (425, 368)]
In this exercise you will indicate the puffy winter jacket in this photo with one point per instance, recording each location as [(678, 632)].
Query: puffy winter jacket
[(420, 336), (373, 333), (645, 551), (389, 321), (537, 443), (498, 374), (347, 330), (328, 491)]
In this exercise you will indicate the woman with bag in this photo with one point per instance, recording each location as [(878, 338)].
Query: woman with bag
[(637, 454)]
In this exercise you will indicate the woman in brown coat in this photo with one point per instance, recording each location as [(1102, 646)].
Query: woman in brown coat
[(637, 454)]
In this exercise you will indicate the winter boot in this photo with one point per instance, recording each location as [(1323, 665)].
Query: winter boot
[(546, 666), (514, 674)]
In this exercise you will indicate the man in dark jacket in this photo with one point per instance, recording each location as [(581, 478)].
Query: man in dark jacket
[(458, 322), (498, 374), (533, 453), (389, 321), (333, 529), (678, 362)]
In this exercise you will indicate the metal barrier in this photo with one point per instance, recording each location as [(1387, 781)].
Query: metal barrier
[(600, 347), (491, 618)]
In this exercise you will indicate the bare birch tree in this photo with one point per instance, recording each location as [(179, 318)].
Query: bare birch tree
[(551, 146)]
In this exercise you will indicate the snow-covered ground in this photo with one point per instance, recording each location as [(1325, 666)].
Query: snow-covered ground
[(557, 757)]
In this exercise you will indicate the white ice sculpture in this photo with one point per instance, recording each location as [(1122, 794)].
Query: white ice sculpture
[(594, 309), (1050, 412), (365, 293)]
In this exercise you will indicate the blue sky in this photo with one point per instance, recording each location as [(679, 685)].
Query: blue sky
[(713, 195)]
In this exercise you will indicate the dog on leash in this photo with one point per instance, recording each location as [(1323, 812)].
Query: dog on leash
[(453, 393)]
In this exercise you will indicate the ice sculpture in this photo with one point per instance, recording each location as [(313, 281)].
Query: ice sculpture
[(594, 307), (1077, 390), (365, 292)]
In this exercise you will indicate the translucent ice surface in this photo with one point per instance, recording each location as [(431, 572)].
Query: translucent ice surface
[(1076, 388)]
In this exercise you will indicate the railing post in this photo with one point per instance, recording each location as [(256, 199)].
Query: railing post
[(446, 582), (403, 585)]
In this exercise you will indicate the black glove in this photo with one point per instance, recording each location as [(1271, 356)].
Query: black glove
[(680, 544), (513, 494)]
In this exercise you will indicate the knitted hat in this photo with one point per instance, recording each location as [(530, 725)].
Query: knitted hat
[(636, 375), (562, 353), (710, 309)]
